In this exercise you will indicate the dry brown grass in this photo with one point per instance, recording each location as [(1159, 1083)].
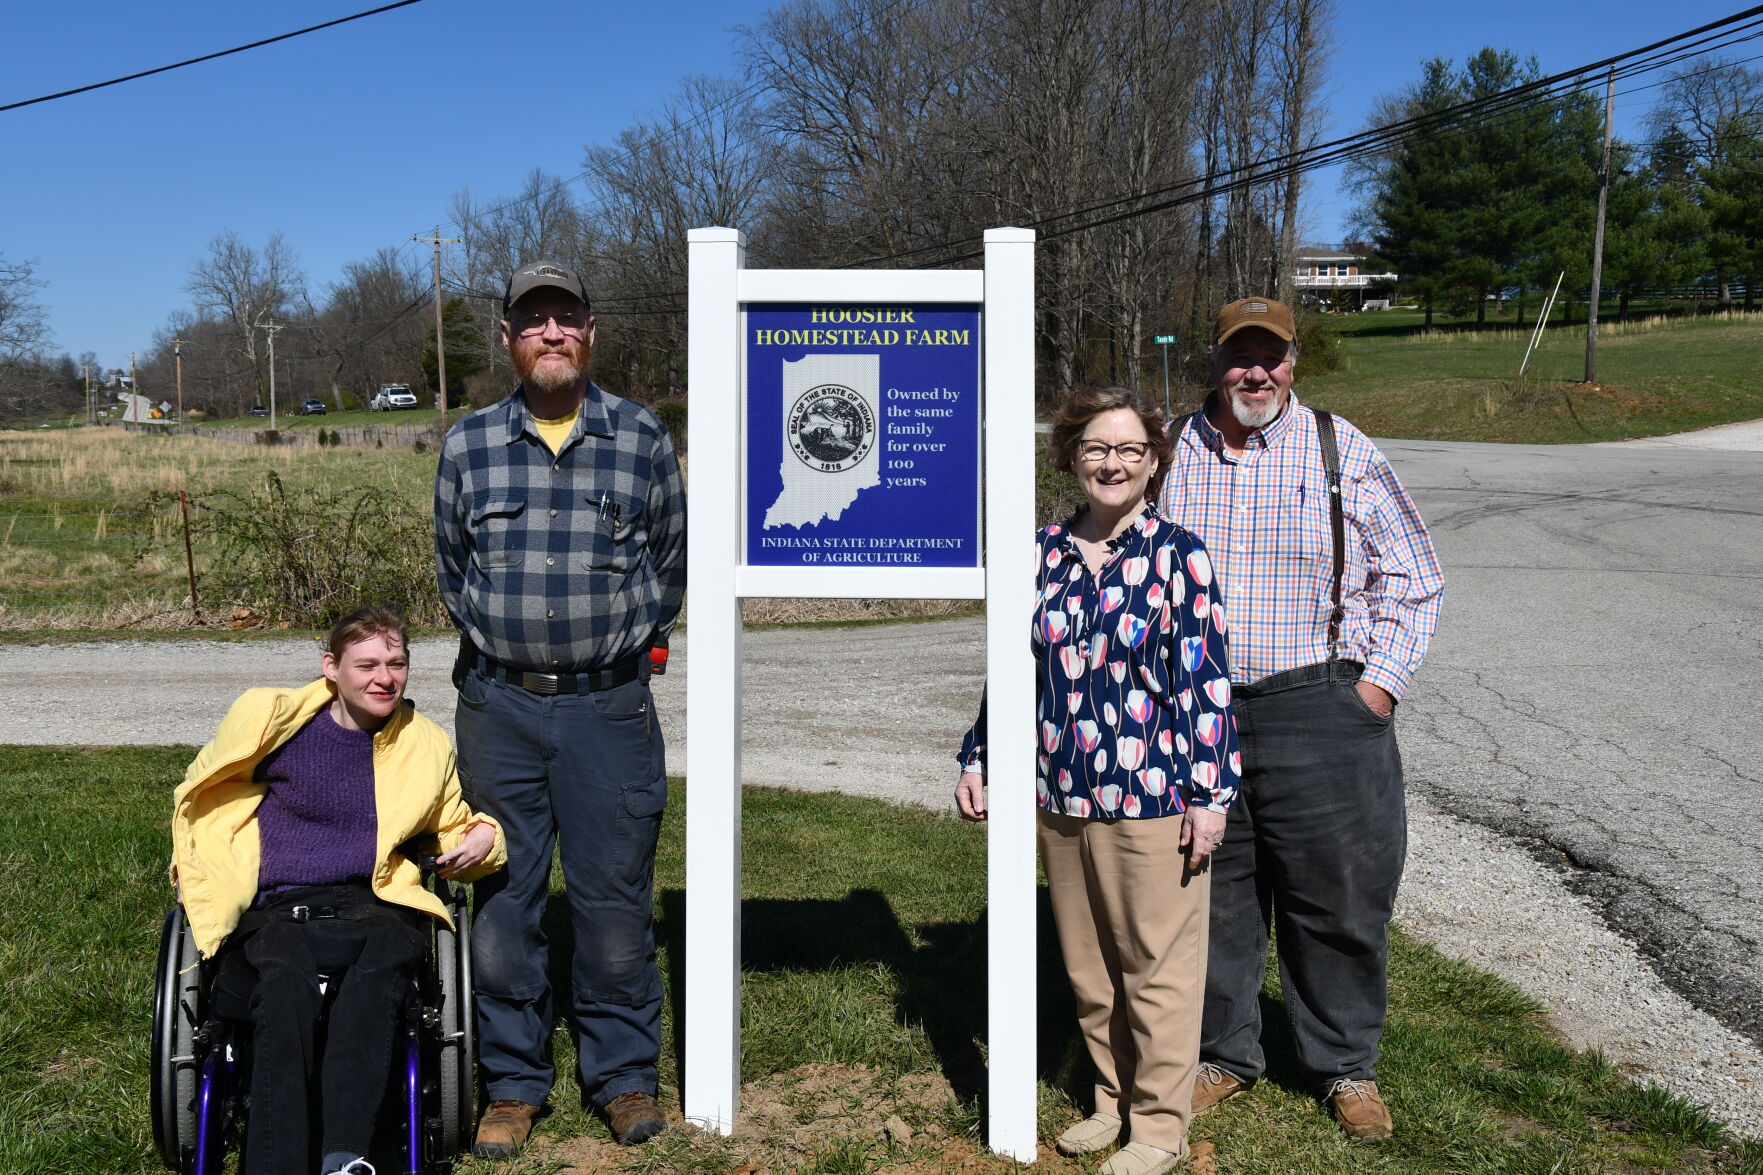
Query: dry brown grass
[(85, 482), (783, 611)]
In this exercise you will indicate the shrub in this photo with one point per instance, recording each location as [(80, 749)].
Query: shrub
[(1057, 494), (673, 418), (1319, 347), (309, 558)]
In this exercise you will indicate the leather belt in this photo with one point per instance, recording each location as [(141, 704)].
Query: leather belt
[(593, 681)]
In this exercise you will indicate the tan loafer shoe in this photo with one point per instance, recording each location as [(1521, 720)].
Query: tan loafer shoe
[(1139, 1158), (1213, 1085), (634, 1117), (1360, 1111), (1092, 1134), (504, 1129)]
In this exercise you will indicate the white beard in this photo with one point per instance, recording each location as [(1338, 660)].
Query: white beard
[(1250, 417)]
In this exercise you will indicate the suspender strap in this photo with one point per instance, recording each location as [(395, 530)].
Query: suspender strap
[(1331, 462)]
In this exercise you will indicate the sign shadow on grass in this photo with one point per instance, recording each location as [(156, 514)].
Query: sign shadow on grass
[(937, 972)]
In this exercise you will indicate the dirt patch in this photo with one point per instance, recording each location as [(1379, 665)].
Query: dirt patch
[(899, 1124), (823, 1118)]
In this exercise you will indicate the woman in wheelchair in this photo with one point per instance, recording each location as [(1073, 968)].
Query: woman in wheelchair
[(286, 837)]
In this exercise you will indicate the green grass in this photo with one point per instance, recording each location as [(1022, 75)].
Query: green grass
[(1460, 383), (864, 965)]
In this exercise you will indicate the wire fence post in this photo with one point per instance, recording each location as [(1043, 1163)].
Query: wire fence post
[(190, 556)]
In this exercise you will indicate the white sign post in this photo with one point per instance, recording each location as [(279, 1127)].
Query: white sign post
[(865, 458)]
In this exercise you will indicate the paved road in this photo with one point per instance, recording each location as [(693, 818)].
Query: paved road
[(1592, 690), (1595, 681)]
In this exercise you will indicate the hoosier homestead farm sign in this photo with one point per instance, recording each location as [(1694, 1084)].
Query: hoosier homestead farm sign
[(863, 428), (837, 424)]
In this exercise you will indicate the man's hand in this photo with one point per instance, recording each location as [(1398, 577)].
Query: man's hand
[(1202, 830), (970, 796), (1376, 697), (469, 853)]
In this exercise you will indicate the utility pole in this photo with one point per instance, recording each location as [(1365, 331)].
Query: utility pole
[(91, 408), (270, 328), (177, 357), (440, 344), (1591, 319), (135, 389)]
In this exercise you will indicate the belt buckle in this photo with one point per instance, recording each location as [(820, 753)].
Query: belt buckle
[(300, 913), (539, 683)]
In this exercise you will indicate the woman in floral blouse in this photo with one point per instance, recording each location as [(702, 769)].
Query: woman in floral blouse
[(1138, 765)]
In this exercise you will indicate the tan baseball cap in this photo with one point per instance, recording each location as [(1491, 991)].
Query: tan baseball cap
[(1257, 312)]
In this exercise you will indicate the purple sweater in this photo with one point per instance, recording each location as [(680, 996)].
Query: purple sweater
[(318, 823)]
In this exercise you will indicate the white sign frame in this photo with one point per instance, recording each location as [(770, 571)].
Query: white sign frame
[(717, 581)]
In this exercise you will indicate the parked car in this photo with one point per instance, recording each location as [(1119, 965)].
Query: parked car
[(257, 410), (392, 396), (312, 406)]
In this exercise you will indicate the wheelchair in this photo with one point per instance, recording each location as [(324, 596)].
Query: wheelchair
[(200, 1070)]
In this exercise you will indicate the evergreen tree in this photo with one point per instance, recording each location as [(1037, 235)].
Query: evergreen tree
[(465, 352), (1489, 198)]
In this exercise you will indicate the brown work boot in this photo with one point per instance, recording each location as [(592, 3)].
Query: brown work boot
[(634, 1117), (1213, 1085), (503, 1129), (1359, 1110)]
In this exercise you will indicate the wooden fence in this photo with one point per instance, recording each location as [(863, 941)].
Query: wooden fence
[(363, 436)]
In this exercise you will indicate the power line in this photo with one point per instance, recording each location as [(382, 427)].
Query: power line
[(146, 73)]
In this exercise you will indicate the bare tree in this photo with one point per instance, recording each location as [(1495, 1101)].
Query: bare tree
[(1303, 35), (245, 287), (372, 327), (28, 385), (701, 161), (1713, 105)]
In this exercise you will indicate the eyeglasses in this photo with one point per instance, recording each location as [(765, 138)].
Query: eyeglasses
[(573, 325), (1129, 452)]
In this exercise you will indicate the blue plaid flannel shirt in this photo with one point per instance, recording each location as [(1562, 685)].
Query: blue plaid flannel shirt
[(565, 563)]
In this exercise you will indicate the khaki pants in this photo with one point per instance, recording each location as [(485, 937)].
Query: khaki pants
[(1133, 928)]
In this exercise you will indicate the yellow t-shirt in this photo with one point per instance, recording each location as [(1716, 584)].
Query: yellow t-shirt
[(555, 432)]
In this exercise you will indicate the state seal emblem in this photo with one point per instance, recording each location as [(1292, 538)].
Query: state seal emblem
[(831, 428)]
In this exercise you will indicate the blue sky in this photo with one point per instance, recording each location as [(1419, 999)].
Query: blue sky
[(354, 138)]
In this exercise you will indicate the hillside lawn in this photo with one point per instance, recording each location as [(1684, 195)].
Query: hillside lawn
[(864, 953), (1458, 383)]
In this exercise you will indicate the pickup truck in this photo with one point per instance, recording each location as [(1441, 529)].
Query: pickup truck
[(392, 396)]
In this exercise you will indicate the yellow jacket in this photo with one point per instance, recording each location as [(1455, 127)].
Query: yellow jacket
[(214, 837)]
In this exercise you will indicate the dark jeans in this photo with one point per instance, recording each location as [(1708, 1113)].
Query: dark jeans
[(377, 948), (1316, 840), (584, 772)]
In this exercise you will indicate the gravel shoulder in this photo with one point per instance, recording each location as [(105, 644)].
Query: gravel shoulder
[(879, 712)]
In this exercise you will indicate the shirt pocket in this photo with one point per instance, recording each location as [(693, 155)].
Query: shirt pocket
[(1306, 535), (496, 523), (616, 530)]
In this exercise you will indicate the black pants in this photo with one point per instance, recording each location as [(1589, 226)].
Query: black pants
[(1316, 841), (376, 947)]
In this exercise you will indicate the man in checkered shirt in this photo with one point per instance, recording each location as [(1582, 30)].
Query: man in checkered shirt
[(1317, 838), (560, 541)]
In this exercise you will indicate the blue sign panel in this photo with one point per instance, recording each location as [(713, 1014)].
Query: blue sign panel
[(863, 433)]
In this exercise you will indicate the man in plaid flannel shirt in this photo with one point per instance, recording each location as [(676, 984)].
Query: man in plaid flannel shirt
[(1317, 838), (560, 539)]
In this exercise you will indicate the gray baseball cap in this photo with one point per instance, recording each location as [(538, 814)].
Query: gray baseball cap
[(538, 274)]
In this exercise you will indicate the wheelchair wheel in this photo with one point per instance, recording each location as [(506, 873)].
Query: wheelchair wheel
[(458, 1027), (177, 1010)]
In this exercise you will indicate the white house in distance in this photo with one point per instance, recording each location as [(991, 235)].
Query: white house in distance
[(1332, 277)]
